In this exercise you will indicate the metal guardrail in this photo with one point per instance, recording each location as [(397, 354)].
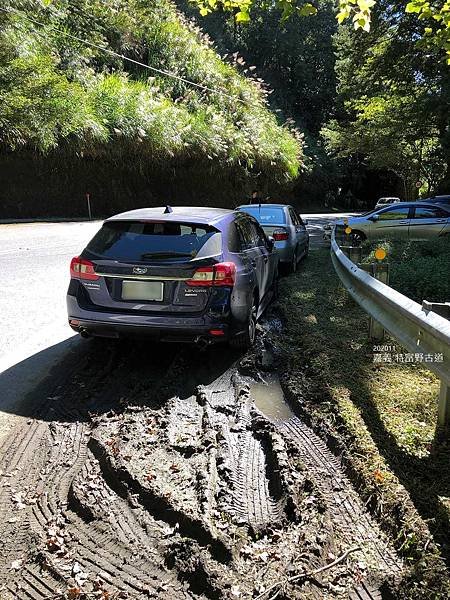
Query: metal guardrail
[(420, 332)]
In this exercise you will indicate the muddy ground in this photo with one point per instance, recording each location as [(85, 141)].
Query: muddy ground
[(152, 471)]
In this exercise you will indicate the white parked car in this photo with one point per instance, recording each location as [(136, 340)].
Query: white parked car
[(381, 202)]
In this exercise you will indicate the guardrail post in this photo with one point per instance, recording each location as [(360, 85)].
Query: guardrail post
[(355, 254), (440, 308), (381, 272), (444, 405)]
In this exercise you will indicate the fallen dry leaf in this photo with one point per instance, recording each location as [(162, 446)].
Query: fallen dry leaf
[(378, 475)]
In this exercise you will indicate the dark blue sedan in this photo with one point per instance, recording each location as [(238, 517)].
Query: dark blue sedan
[(179, 274)]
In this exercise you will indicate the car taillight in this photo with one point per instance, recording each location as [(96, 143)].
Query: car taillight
[(220, 274), (80, 268), (279, 235)]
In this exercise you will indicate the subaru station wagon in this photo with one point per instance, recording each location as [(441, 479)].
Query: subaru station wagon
[(182, 274)]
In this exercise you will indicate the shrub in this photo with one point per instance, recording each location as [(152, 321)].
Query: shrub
[(57, 93), (418, 269)]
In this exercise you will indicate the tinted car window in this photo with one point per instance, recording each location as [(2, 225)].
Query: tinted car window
[(246, 233), (137, 241), (294, 217), (259, 237), (423, 212), (266, 215), (394, 213), (234, 239)]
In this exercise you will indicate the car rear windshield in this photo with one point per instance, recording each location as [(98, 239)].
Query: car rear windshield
[(266, 215), (146, 241)]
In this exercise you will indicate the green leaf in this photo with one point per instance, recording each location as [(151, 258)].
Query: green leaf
[(242, 17), (413, 7), (306, 10)]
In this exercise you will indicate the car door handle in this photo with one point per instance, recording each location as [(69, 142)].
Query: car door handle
[(403, 222)]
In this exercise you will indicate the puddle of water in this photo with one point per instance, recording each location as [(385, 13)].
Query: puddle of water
[(269, 399)]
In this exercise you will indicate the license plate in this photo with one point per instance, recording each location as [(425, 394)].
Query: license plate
[(142, 290)]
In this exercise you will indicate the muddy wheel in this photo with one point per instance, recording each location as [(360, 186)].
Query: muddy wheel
[(294, 262), (245, 340)]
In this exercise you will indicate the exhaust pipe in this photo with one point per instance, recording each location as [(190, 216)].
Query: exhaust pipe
[(85, 334), (202, 342)]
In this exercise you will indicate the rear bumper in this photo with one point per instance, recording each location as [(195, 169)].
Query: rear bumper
[(164, 328), (284, 251)]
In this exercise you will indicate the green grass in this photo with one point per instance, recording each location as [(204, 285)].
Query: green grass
[(383, 416), (57, 94)]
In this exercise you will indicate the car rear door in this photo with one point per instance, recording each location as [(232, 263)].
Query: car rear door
[(255, 253), (427, 222), (270, 257)]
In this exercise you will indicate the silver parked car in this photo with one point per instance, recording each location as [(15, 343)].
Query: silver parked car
[(286, 227), (404, 221)]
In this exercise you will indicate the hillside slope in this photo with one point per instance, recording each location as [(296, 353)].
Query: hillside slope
[(73, 112)]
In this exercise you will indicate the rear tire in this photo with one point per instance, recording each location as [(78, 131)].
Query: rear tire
[(306, 251), (294, 262), (246, 340)]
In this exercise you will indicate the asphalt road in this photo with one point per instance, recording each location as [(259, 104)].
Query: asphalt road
[(34, 264), (316, 223), (34, 267)]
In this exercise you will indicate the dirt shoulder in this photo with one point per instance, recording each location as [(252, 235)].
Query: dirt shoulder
[(379, 416), (152, 473)]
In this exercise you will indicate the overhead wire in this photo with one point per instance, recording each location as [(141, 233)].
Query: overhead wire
[(122, 56)]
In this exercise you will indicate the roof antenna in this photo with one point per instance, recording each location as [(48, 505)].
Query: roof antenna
[(168, 210)]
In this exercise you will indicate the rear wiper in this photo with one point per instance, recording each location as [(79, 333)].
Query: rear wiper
[(166, 254)]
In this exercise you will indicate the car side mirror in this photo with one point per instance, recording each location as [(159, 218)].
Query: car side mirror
[(271, 242), (375, 218)]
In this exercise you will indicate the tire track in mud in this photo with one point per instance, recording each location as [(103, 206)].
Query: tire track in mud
[(62, 445), (253, 501), (349, 514), (157, 474)]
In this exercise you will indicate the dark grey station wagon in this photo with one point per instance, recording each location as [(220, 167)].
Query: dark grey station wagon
[(179, 274)]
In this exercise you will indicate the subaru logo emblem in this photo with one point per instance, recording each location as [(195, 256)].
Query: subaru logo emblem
[(139, 270)]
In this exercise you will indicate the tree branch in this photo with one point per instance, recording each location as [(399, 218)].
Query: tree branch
[(307, 574)]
